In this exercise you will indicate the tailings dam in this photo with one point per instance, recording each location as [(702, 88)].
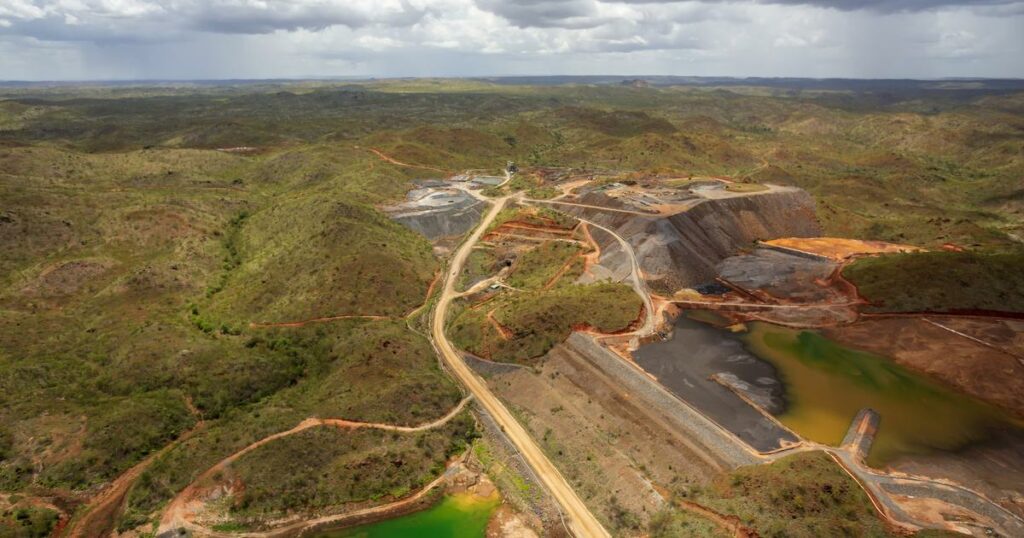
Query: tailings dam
[(691, 363)]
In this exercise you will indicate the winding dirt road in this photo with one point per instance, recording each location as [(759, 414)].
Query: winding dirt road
[(386, 158), (181, 510), (99, 517), (639, 286), (581, 521)]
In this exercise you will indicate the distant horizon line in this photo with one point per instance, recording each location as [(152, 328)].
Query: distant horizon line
[(354, 78)]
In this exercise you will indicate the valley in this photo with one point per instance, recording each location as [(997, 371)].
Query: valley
[(681, 311)]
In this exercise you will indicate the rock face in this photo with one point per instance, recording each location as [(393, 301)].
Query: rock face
[(683, 249), (451, 221), (438, 212)]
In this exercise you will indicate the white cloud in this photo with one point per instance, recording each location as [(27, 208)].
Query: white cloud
[(255, 38)]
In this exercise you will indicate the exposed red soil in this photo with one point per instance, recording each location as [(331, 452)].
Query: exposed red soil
[(594, 256), (503, 331), (530, 226), (181, 510), (102, 511), (516, 228), (499, 235), (970, 367), (954, 312), (430, 289), (730, 524), (757, 296), (838, 248), (845, 288), (483, 301)]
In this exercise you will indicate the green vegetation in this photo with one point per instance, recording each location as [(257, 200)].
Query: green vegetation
[(135, 277), (941, 281), (118, 435), (537, 267), (27, 522), (480, 264), (399, 382), (535, 216), (533, 186), (536, 321), (543, 216), (803, 495), (496, 462), (542, 193), (136, 255), (329, 466)]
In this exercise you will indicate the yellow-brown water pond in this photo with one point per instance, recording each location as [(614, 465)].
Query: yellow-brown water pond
[(826, 384)]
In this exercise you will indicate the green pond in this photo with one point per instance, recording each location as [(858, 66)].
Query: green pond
[(826, 384), (456, 516)]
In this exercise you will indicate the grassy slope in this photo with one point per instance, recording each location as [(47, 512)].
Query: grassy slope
[(481, 263), (27, 522), (108, 245), (941, 281), (367, 371), (537, 266), (803, 495), (539, 320), (100, 349), (329, 466)]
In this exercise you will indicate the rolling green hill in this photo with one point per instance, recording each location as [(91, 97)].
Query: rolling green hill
[(144, 231)]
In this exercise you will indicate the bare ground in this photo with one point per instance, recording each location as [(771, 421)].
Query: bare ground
[(599, 435), (970, 367)]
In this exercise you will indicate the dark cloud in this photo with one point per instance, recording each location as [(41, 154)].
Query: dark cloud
[(890, 6), (224, 38), (153, 20), (573, 14), (881, 6), (251, 19), (579, 14)]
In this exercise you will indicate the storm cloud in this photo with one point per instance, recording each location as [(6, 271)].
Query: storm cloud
[(101, 39)]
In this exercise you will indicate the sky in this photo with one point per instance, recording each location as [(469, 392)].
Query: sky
[(221, 39)]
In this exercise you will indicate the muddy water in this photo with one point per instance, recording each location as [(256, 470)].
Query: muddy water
[(826, 384), (686, 365), (463, 515)]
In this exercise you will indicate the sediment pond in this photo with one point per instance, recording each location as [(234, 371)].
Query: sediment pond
[(825, 384), (814, 387), (462, 515)]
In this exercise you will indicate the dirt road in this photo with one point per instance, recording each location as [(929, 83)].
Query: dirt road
[(650, 321), (180, 511), (876, 484), (597, 207), (99, 517), (580, 519), (384, 157)]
